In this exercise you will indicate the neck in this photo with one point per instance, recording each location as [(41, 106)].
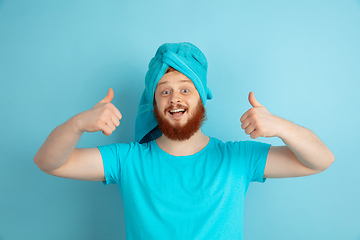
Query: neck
[(183, 148)]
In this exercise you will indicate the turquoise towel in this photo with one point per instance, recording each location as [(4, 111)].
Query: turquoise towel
[(184, 57)]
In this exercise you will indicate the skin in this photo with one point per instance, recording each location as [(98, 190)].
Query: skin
[(58, 155), (304, 153)]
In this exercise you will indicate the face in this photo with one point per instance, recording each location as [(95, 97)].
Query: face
[(178, 106)]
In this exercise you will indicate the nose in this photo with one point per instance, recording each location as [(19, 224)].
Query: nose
[(175, 98)]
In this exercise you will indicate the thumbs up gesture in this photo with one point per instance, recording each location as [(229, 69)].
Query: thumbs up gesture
[(104, 116), (258, 121)]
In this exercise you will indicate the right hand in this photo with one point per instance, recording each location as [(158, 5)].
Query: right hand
[(104, 116)]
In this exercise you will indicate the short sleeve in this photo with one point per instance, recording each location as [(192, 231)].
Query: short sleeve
[(113, 156), (256, 154)]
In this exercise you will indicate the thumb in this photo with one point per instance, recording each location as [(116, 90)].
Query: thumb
[(253, 101), (109, 97)]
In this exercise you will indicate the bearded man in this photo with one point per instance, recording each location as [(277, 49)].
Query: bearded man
[(176, 182)]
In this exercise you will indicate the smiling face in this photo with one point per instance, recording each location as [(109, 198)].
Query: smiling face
[(178, 107)]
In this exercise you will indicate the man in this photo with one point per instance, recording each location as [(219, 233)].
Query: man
[(176, 182)]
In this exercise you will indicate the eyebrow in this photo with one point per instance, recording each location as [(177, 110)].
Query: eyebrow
[(185, 80)]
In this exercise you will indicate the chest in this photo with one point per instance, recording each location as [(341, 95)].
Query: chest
[(188, 181)]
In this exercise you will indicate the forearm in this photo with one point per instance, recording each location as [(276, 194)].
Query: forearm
[(59, 146), (306, 146)]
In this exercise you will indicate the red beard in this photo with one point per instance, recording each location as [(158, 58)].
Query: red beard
[(180, 133)]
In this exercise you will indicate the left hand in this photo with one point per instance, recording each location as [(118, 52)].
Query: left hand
[(259, 122)]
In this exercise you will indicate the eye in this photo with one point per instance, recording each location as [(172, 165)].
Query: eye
[(185, 90), (165, 92)]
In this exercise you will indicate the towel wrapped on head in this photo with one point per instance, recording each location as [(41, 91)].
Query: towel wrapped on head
[(184, 57)]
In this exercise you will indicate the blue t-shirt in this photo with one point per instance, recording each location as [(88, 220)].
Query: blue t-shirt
[(200, 196)]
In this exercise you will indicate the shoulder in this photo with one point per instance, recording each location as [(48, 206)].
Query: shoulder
[(220, 143), (124, 148), (142, 148), (238, 145)]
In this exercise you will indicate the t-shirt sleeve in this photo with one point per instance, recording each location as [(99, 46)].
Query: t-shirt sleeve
[(256, 154), (113, 157)]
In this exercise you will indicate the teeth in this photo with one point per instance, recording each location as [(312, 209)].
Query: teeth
[(177, 110)]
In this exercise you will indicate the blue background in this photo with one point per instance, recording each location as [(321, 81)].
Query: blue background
[(58, 58)]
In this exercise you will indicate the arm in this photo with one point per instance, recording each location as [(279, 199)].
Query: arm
[(304, 153), (58, 155)]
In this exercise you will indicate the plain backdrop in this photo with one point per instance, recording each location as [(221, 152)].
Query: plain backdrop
[(58, 58)]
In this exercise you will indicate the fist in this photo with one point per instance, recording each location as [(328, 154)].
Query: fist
[(258, 121), (104, 116)]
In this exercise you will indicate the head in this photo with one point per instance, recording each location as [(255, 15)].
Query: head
[(178, 107), (188, 60)]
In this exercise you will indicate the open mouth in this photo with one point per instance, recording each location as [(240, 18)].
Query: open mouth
[(177, 112)]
